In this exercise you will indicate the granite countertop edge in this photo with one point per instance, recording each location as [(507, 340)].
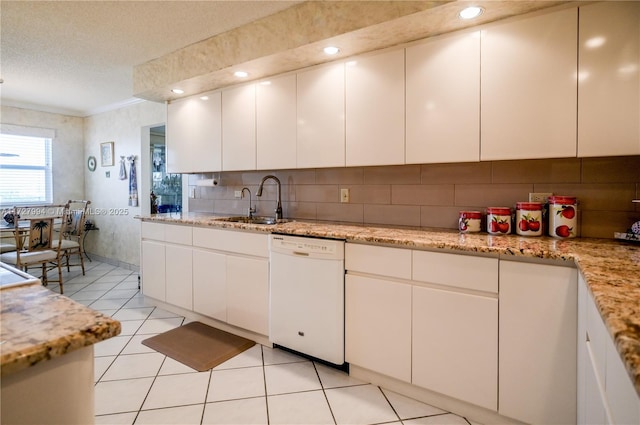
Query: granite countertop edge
[(610, 267), (39, 325)]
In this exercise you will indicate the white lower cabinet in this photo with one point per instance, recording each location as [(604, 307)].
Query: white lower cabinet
[(231, 277), (537, 333), (166, 265), (152, 269), (606, 394), (455, 345), (222, 274), (402, 321), (378, 325), (441, 322), (210, 284), (248, 293), (179, 272)]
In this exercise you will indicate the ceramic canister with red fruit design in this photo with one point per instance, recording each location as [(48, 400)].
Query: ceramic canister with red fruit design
[(529, 218), (469, 221), (563, 220), (498, 220)]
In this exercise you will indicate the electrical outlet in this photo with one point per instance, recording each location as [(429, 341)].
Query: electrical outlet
[(539, 197), (237, 194), (344, 195)]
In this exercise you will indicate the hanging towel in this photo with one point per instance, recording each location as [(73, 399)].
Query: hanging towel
[(133, 183), (123, 169)]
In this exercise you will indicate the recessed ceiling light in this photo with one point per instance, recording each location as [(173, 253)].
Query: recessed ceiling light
[(331, 50), (204, 97), (470, 12), (177, 91), (241, 74), (265, 83)]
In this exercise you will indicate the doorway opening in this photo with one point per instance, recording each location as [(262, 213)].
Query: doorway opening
[(166, 188)]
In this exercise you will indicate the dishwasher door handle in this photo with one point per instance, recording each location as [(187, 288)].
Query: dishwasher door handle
[(304, 254)]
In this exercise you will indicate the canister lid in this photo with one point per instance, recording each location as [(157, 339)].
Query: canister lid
[(529, 206), (499, 210), (470, 214), (556, 199)]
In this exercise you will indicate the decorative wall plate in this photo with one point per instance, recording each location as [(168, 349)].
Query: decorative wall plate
[(91, 163)]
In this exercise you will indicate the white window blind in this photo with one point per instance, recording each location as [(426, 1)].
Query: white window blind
[(25, 170)]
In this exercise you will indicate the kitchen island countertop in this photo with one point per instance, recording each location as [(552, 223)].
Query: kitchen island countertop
[(38, 325), (611, 268)]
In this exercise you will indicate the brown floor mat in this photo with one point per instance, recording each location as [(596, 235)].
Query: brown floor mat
[(198, 346)]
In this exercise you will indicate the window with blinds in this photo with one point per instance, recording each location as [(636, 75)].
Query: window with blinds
[(25, 170)]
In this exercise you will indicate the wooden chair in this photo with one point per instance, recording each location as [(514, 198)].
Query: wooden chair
[(40, 248), (73, 239)]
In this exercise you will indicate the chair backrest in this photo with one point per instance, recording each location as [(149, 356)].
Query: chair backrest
[(76, 217), (41, 221), (40, 233)]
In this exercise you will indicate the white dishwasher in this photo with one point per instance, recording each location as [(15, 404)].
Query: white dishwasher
[(307, 296)]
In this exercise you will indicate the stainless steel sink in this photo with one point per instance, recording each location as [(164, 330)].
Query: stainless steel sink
[(250, 220)]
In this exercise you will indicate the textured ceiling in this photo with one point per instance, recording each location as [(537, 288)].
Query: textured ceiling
[(77, 57)]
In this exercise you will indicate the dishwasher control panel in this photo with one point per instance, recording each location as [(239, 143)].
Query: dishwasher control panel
[(294, 245)]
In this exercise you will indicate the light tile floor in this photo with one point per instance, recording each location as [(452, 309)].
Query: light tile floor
[(137, 385)]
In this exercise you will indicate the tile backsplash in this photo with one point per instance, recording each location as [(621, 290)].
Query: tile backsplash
[(431, 195)]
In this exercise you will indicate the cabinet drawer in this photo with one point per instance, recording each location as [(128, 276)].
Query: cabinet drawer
[(232, 241), (153, 231), (460, 271), (393, 262), (178, 234)]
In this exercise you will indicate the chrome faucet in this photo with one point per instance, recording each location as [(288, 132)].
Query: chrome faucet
[(279, 204), (251, 210)]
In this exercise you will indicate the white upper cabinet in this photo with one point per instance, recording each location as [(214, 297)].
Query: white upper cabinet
[(609, 79), (529, 88), (239, 128), (375, 109), (321, 132), (276, 123), (194, 134), (443, 100)]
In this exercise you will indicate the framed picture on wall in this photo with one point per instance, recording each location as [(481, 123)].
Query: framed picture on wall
[(106, 154)]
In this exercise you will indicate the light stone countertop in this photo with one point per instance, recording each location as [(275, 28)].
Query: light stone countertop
[(38, 325), (611, 268)]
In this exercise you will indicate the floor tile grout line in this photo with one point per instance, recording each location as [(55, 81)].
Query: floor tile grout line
[(324, 393), (264, 378), (390, 404)]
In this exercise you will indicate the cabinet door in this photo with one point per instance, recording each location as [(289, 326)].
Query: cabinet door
[(624, 402), (239, 128), (529, 90), (321, 133), (153, 270), (276, 123), (179, 276), (609, 82), (375, 109), (194, 134), (455, 345), (537, 334), (443, 100), (248, 293), (210, 284), (378, 325)]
